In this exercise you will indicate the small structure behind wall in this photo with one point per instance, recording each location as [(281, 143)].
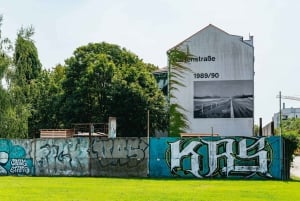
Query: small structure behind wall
[(112, 127), (90, 129), (57, 133)]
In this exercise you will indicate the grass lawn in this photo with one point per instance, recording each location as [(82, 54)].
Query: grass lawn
[(89, 188)]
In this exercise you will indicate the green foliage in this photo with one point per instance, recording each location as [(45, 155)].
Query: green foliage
[(292, 142), (24, 69), (177, 120), (6, 121), (88, 81), (104, 80), (291, 134), (135, 92), (46, 99), (291, 126), (26, 61)]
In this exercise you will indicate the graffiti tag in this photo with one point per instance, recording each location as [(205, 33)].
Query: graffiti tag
[(222, 157), (120, 152)]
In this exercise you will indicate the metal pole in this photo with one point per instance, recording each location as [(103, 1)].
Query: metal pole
[(260, 127), (281, 140), (280, 115), (148, 140), (148, 124), (90, 148)]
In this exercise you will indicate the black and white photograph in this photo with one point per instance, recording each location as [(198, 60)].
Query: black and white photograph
[(223, 99)]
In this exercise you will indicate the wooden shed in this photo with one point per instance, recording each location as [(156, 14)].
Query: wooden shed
[(57, 133)]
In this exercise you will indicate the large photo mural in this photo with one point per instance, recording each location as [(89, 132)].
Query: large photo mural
[(223, 99), (217, 89)]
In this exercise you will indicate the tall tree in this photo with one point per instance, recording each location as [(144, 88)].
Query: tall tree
[(26, 60), (8, 115), (134, 93), (104, 80), (5, 46), (26, 68)]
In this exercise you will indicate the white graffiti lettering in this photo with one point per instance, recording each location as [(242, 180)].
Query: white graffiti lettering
[(261, 154), (18, 162), (213, 156), (220, 150), (19, 166), (176, 156)]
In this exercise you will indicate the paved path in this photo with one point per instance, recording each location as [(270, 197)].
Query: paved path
[(295, 170)]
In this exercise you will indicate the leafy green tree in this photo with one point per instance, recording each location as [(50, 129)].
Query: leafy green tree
[(25, 69), (291, 135), (88, 80), (134, 92), (291, 126), (26, 60), (5, 46), (46, 92), (104, 80), (178, 122)]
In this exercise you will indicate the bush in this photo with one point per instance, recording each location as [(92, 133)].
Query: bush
[(291, 144)]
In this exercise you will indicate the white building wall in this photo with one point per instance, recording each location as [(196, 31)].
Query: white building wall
[(286, 113), (229, 74)]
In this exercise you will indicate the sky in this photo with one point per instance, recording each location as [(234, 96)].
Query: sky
[(150, 28)]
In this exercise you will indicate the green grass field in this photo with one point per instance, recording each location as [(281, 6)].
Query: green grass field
[(86, 189)]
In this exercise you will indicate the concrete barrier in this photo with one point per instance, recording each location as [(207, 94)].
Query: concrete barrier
[(206, 157)]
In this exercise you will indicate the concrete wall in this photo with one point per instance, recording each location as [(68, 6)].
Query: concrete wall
[(230, 157), (16, 157), (56, 157), (225, 157), (121, 157)]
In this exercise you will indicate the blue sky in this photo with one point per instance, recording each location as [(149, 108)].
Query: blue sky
[(150, 28)]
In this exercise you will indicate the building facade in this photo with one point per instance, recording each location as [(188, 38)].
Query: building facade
[(286, 113), (218, 91)]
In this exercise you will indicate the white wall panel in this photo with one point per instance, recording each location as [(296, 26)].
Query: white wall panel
[(219, 92)]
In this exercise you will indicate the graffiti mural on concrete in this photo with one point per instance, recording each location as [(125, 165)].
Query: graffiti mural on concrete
[(120, 157), (221, 157), (68, 157), (217, 157), (13, 159)]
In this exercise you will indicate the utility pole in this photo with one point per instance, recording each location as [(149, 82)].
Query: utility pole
[(280, 115)]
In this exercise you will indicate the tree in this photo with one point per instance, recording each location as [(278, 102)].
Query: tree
[(104, 80), (88, 79), (291, 135), (46, 92), (5, 47), (178, 122), (134, 92), (25, 69)]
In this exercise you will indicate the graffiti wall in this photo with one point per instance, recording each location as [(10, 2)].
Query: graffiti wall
[(68, 157), (231, 157), (15, 157), (122, 157), (118, 157), (208, 157)]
